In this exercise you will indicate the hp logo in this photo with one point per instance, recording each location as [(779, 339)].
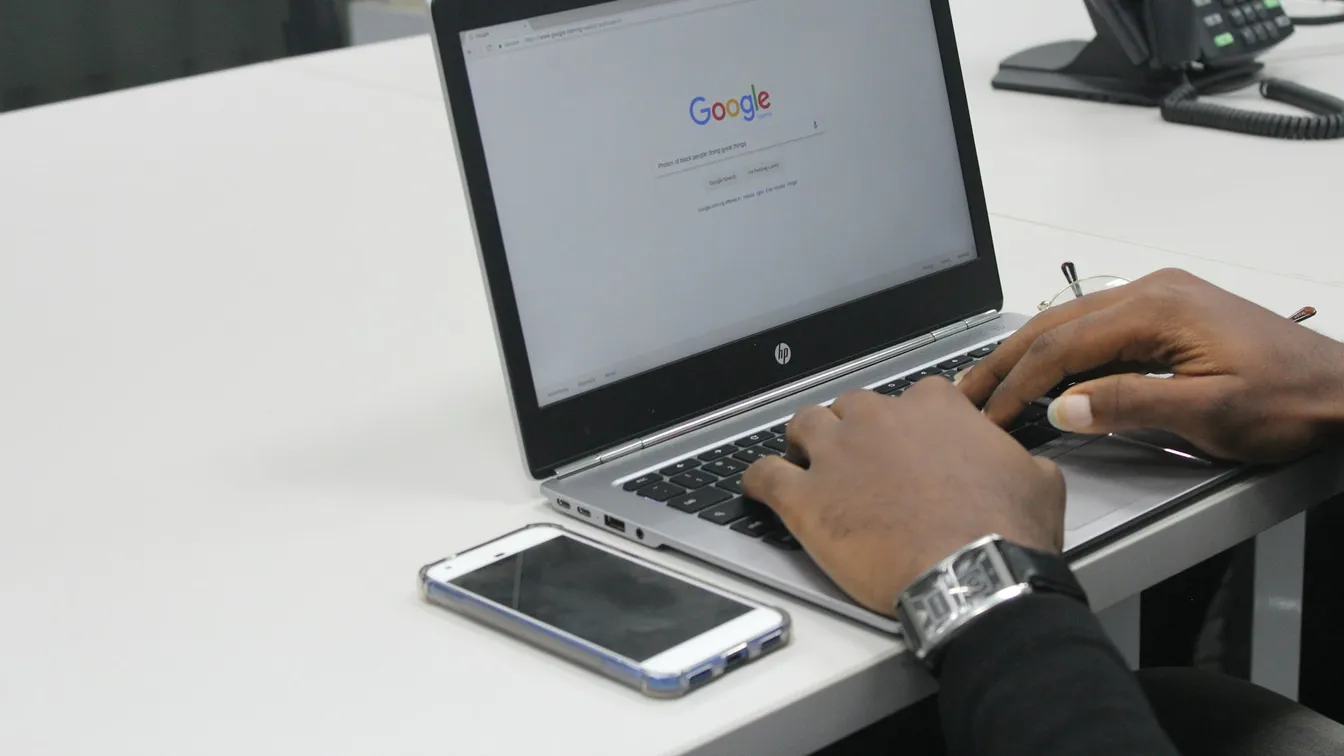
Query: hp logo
[(783, 353)]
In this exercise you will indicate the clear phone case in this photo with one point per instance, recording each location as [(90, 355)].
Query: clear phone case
[(626, 671)]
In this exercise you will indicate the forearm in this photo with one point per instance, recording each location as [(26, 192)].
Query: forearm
[(1039, 676)]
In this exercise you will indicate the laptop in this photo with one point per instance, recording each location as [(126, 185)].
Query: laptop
[(696, 216)]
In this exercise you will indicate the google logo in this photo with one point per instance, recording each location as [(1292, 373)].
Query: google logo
[(746, 107)]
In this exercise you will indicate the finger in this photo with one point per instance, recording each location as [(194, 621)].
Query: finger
[(808, 429), (979, 382), (774, 481), (1126, 332), (851, 401), (1131, 402)]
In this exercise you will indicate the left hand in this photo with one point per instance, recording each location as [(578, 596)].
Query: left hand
[(879, 489)]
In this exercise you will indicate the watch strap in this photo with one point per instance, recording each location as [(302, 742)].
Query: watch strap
[(1043, 571)]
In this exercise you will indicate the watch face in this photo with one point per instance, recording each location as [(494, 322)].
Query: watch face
[(931, 603), (976, 575), (941, 600)]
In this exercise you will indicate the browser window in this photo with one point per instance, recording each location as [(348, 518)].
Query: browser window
[(672, 176)]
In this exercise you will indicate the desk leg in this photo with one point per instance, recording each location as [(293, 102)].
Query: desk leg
[(1122, 624), (1276, 619)]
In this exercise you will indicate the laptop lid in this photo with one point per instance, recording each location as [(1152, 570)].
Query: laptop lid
[(682, 203)]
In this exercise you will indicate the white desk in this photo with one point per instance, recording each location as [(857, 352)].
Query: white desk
[(1123, 173), (248, 386)]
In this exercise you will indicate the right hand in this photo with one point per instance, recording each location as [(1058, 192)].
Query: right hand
[(1248, 385), (880, 489)]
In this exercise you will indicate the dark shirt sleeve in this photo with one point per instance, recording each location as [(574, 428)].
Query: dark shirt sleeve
[(1039, 677)]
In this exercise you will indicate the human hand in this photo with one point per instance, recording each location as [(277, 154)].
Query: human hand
[(879, 489), (1247, 385)]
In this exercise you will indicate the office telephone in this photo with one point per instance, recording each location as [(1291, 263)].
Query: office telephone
[(1167, 53)]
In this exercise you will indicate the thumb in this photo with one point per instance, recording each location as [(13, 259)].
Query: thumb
[(1131, 402)]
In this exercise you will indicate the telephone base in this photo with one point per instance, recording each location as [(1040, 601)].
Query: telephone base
[(1095, 71)]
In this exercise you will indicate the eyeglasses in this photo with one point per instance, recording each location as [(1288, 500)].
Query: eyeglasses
[(1079, 287)]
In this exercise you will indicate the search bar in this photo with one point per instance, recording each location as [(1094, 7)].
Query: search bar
[(738, 143)]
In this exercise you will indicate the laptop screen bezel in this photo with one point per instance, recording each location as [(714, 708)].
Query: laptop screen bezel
[(572, 429)]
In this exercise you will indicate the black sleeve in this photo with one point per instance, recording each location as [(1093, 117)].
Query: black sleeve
[(1039, 677)]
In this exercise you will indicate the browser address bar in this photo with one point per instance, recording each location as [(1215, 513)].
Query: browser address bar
[(565, 26)]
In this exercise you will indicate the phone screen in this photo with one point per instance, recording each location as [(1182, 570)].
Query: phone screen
[(611, 602)]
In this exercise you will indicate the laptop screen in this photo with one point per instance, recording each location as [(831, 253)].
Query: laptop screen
[(674, 175)]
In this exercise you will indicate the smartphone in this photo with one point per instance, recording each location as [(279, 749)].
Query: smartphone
[(636, 622)]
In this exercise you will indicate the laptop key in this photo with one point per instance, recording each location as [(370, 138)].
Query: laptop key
[(716, 452), (694, 479), (755, 453), (891, 388), (755, 526), (926, 373), (754, 439), (1034, 436), (954, 363), (1017, 424), (783, 539), (777, 444), (733, 484), (982, 352), (778, 430), (678, 468), (641, 481), (661, 491), (697, 500), (725, 467), (730, 511), (1034, 413)]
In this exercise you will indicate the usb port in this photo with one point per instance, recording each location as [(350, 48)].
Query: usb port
[(613, 523), (562, 503), (583, 511), (735, 659), (701, 677), (771, 643)]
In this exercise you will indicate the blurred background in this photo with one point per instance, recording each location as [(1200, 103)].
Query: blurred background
[(53, 50)]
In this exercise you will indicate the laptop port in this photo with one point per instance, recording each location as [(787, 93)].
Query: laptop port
[(701, 677), (613, 523), (583, 511), (562, 503), (735, 659), (771, 643)]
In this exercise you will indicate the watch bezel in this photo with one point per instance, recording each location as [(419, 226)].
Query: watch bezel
[(925, 634)]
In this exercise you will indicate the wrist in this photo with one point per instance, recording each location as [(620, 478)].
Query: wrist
[(1325, 410), (975, 581)]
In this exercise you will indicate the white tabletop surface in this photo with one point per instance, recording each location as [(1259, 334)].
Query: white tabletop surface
[(1123, 173), (248, 386)]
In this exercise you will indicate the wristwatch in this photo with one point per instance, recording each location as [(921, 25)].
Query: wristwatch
[(989, 572)]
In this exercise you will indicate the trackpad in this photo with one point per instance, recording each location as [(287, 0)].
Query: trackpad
[(1108, 475)]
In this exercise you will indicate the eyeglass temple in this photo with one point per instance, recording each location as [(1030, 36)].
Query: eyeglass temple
[(1071, 275)]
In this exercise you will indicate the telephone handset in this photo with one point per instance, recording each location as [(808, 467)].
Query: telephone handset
[(1166, 53)]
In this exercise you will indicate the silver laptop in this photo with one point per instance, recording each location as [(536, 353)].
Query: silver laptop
[(696, 216)]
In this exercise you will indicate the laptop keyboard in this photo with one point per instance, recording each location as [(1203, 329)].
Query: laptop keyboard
[(709, 485)]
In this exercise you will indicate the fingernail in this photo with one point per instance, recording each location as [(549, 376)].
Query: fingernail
[(956, 379), (1071, 412)]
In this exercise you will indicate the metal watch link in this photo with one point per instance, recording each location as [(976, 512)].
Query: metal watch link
[(976, 578)]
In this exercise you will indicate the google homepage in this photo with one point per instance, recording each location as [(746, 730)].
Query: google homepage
[(668, 186)]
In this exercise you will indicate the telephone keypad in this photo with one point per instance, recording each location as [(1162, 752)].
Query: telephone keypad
[(1242, 28)]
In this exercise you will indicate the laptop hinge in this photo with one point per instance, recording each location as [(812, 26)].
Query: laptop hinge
[(589, 463), (760, 400), (979, 320)]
